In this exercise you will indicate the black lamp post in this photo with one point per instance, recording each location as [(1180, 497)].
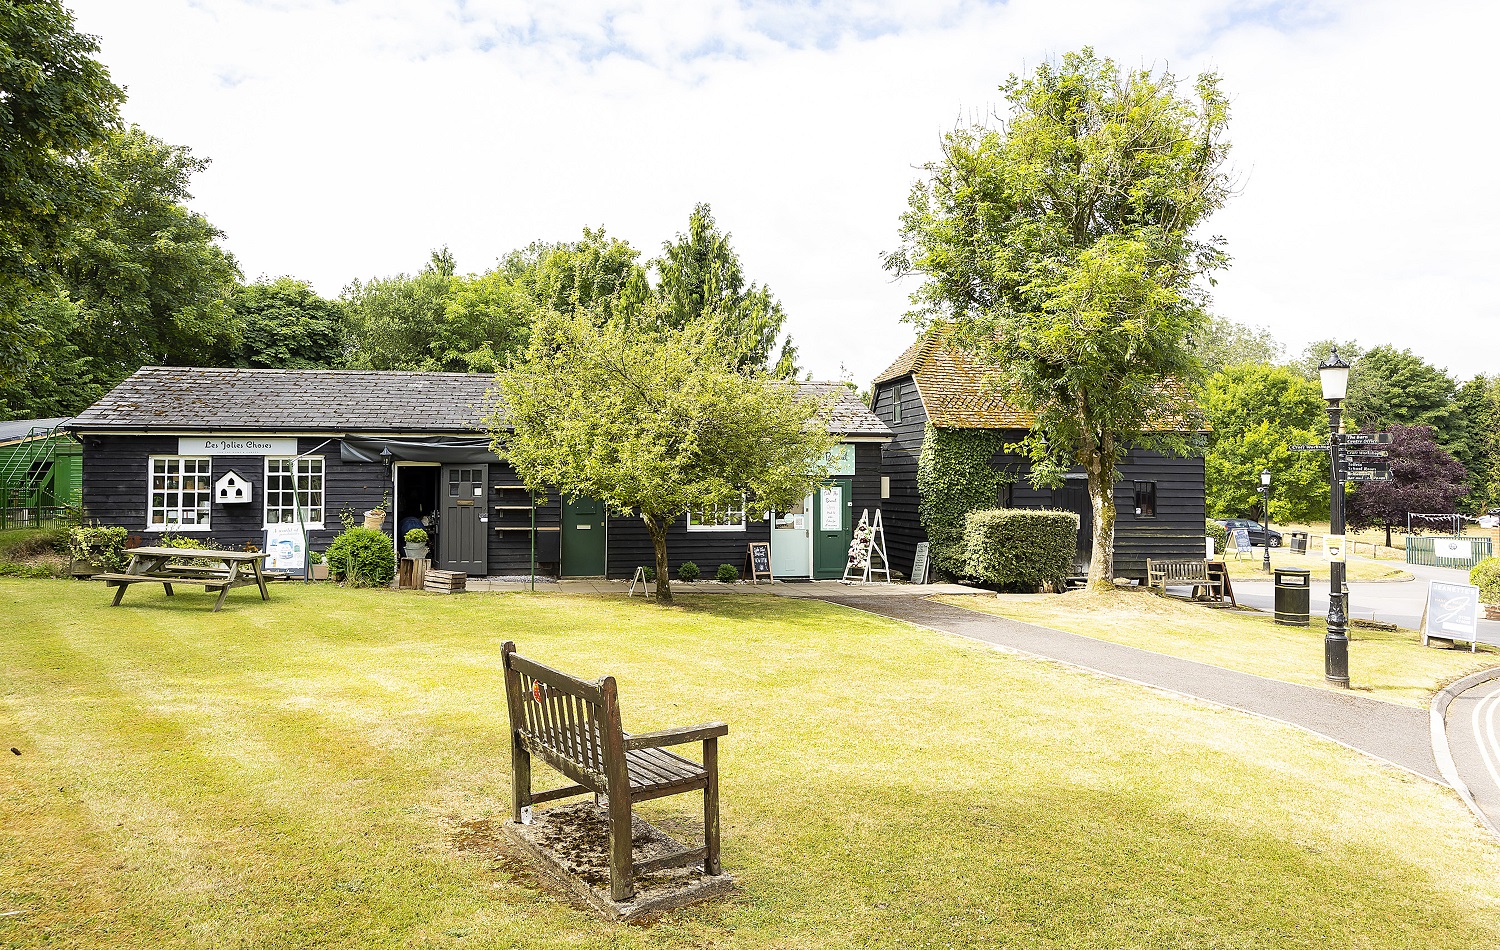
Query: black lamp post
[(1265, 513), (1334, 374)]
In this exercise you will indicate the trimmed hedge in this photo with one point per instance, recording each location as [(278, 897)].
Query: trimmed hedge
[(1020, 549), (1220, 534), (956, 474), (688, 571), (1486, 577), (363, 557), (727, 573)]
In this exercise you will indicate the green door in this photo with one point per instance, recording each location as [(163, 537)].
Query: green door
[(583, 538), (833, 527)]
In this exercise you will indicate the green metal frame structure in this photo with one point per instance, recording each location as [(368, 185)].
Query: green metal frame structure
[(41, 474)]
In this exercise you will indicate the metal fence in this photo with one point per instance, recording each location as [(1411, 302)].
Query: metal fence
[(1447, 550)]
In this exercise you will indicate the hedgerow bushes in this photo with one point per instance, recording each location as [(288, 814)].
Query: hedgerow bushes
[(956, 475), (1486, 577), (362, 557), (1020, 549), (1219, 533)]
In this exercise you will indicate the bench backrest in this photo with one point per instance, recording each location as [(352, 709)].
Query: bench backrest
[(1177, 570), (571, 723)]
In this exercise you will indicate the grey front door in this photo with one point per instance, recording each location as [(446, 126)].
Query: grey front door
[(463, 538)]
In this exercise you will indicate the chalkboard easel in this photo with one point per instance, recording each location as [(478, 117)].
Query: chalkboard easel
[(758, 561)]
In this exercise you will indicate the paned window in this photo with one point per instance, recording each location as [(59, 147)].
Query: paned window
[(284, 493), (715, 518), (181, 491), (896, 402), (1145, 499)]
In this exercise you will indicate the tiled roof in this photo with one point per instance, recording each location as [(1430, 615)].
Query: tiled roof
[(955, 391), (294, 400), (325, 400)]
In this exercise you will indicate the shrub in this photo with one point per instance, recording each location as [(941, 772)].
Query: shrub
[(362, 557), (688, 571), (727, 573), (33, 543), (1019, 549), (956, 475), (314, 557), (99, 545), (416, 536), (651, 575), (1486, 577), (1219, 533)]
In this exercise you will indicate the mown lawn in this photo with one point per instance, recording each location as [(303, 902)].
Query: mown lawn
[(1388, 665), (318, 772)]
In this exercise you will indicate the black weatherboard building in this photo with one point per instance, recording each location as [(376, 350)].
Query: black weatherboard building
[(1160, 499), (231, 452)]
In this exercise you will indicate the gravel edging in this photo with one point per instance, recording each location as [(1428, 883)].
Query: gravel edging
[(1440, 751)]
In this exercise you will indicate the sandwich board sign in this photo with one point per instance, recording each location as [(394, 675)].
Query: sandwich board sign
[(1452, 613), (1241, 539), (285, 548), (920, 567), (758, 560)]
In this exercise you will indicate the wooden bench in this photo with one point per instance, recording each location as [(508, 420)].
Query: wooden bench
[(574, 726), (1182, 574), (154, 566)]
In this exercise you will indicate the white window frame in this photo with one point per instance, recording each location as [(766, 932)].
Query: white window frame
[(701, 526), (207, 493), (297, 460)]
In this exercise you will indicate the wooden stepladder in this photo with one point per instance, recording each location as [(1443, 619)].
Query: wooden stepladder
[(868, 544)]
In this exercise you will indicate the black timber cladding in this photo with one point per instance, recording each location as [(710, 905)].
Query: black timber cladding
[(1176, 531)]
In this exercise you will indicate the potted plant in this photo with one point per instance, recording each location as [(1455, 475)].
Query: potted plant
[(375, 517), (416, 543), (319, 565)]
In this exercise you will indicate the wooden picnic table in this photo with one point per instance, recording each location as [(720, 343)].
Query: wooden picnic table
[(154, 566)]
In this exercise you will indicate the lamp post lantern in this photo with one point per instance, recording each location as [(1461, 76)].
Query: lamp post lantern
[(1265, 512), (1334, 375)]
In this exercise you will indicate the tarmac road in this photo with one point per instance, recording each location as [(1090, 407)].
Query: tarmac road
[(1474, 742), (1399, 602)]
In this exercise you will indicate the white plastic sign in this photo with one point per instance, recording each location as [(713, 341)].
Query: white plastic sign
[(1454, 548), (284, 548)]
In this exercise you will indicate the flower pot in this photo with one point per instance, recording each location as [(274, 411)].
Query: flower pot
[(1492, 611), (374, 518), (416, 551), (320, 572)]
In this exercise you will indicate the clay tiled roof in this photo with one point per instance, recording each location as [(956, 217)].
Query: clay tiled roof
[(325, 400), (955, 391)]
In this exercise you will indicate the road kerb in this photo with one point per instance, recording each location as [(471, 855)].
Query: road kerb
[(1442, 755)]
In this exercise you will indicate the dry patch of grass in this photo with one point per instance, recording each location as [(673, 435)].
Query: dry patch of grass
[(325, 771), (1388, 665), (1357, 569)]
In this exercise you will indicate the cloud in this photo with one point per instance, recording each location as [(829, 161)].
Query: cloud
[(350, 138)]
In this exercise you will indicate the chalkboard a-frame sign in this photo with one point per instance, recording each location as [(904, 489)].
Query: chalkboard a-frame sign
[(758, 560)]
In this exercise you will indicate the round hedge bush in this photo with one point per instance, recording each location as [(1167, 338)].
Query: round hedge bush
[(688, 571), (1220, 534), (1486, 577), (363, 557), (727, 573)]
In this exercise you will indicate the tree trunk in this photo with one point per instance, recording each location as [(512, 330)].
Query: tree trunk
[(1100, 466), (1387, 534), (658, 530)]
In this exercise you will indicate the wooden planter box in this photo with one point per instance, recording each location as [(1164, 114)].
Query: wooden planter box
[(1492, 611)]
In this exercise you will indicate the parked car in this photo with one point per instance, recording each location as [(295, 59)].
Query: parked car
[(1253, 528)]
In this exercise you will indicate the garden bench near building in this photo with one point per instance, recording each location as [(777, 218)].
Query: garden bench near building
[(574, 726), (1160, 574)]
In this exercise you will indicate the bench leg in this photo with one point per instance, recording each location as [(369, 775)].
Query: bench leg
[(621, 868), (711, 807), (169, 589), (520, 781), (223, 592), (119, 593)]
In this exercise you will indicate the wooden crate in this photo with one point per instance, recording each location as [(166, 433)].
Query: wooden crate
[(413, 573), (445, 582)]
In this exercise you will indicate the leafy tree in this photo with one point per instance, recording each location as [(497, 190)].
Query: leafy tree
[(57, 378), (56, 103), (1064, 246), (654, 420), (1476, 440), (596, 272), (284, 324), (1254, 413), (701, 279), (1424, 478), (1389, 387), (1317, 351), (1227, 343), (150, 278)]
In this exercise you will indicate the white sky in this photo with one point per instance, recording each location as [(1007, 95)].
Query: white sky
[(350, 137)]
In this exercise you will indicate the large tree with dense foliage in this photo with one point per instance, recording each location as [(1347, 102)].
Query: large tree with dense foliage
[(655, 420), (1424, 479), (284, 324), (1390, 387), (597, 273), (1254, 414), (1476, 440), (700, 279), (56, 104), (1065, 246), (1225, 342)]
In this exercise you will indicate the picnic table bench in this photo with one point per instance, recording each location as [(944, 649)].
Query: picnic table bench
[(1184, 573), (153, 566), (574, 726)]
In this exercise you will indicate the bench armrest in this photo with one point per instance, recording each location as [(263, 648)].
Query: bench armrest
[(665, 737)]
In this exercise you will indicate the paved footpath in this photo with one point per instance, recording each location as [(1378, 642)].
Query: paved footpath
[(1400, 735)]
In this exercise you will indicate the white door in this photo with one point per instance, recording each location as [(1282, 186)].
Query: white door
[(791, 541)]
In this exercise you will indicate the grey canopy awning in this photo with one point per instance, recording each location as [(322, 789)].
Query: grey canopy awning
[(454, 450)]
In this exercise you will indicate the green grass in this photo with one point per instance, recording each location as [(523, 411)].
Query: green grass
[(1251, 567), (298, 774), (1387, 665)]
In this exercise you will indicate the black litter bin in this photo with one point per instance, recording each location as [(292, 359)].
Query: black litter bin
[(1299, 542), (1293, 597)]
